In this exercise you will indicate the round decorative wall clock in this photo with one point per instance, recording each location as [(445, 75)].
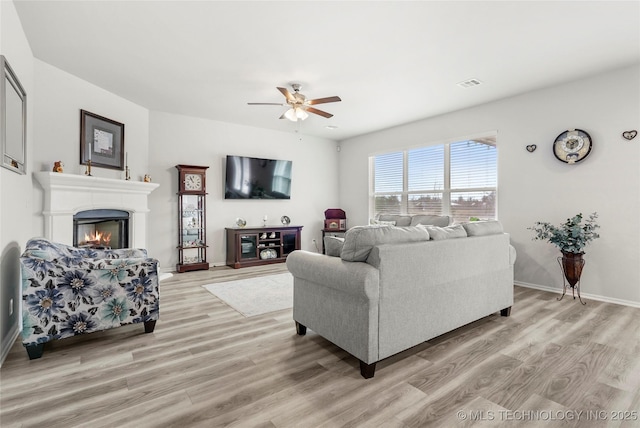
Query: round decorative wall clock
[(572, 146)]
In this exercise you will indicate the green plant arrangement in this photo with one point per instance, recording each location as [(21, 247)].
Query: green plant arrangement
[(571, 236)]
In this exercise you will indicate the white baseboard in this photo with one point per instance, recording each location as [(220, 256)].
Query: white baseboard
[(8, 342), (164, 275), (584, 295)]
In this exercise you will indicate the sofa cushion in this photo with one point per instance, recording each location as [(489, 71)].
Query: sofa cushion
[(359, 240), (482, 228), (449, 232), (435, 220), (383, 222), (333, 245), (401, 220)]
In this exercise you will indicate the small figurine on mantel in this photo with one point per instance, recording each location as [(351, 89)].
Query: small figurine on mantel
[(147, 178), (58, 166)]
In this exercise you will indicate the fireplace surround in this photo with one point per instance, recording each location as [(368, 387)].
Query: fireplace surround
[(66, 195)]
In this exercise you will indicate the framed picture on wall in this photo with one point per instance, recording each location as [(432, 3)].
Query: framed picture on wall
[(101, 141)]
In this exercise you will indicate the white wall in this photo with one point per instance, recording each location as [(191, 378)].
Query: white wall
[(186, 140), (54, 101), (14, 188), (536, 186), (61, 96)]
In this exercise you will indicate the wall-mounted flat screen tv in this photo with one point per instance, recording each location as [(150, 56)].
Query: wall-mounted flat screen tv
[(256, 178)]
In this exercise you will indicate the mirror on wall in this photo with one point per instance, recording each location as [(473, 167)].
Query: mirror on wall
[(13, 120)]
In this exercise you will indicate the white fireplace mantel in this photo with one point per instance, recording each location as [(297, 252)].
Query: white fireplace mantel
[(68, 194)]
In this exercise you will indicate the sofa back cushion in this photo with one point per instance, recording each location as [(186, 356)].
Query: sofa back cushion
[(449, 232), (359, 240), (434, 220), (482, 228), (401, 220), (383, 222)]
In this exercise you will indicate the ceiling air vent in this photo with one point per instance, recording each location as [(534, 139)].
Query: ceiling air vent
[(469, 83)]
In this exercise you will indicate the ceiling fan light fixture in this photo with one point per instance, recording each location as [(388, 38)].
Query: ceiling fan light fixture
[(300, 106), (296, 113), (291, 115), (301, 114)]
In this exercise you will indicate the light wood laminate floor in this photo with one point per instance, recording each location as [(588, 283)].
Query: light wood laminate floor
[(549, 364)]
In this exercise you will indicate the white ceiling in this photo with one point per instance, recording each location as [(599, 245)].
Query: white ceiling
[(391, 62)]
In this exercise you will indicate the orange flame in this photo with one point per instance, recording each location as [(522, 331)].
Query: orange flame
[(98, 238)]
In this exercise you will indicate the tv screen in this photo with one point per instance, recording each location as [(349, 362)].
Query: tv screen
[(255, 178)]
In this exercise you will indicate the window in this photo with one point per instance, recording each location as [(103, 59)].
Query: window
[(458, 179)]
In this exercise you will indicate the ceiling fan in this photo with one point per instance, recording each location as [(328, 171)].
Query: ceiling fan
[(299, 105)]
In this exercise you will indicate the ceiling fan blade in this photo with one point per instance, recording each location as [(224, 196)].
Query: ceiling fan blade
[(287, 94), (319, 112), (265, 104), (324, 100), (282, 117)]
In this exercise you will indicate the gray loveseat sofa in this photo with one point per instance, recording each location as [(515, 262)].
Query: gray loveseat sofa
[(393, 287)]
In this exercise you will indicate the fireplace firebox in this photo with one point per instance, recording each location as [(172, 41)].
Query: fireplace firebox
[(101, 228)]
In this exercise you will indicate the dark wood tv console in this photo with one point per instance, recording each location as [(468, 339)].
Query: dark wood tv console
[(253, 246)]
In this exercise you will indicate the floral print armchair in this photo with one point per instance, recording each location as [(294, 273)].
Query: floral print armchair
[(68, 291)]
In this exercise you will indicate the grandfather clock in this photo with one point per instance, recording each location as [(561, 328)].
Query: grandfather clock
[(192, 216)]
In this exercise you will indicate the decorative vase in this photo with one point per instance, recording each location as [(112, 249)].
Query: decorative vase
[(572, 264)]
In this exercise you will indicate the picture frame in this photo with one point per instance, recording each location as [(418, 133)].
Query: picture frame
[(101, 141), (13, 120)]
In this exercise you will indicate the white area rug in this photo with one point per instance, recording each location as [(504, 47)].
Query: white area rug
[(256, 296)]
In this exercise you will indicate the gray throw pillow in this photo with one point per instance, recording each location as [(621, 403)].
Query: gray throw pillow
[(449, 232), (360, 240), (333, 245), (482, 228)]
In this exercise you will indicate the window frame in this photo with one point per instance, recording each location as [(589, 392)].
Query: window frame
[(446, 192)]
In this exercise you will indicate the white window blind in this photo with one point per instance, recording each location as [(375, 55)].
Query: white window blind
[(388, 182), (388, 172), (426, 169), (473, 165), (458, 179), (474, 179)]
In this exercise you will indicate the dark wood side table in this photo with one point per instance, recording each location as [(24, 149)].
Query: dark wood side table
[(252, 246)]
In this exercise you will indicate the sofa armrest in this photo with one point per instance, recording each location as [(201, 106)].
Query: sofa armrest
[(356, 278), (338, 300)]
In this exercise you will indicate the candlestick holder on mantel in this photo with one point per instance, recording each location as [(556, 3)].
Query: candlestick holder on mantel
[(127, 172), (87, 171)]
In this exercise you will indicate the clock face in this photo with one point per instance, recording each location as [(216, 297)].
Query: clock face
[(572, 146), (193, 182)]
